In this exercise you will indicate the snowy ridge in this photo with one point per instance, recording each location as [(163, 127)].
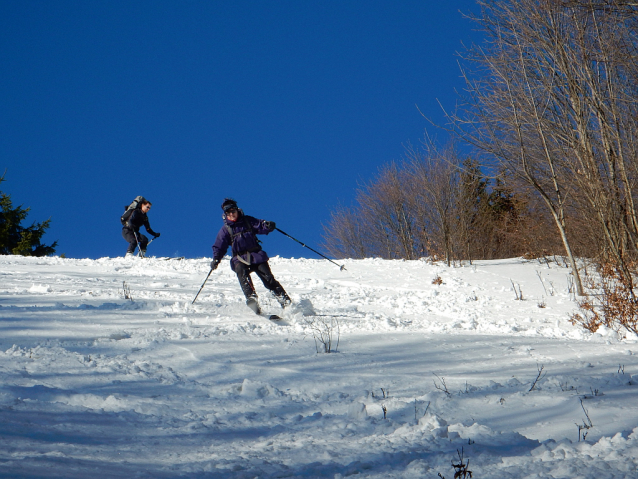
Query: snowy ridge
[(157, 387)]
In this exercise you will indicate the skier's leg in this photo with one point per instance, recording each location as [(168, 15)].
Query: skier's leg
[(266, 276), (129, 236), (243, 275), (143, 243)]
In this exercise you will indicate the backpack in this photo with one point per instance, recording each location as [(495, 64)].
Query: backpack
[(128, 210)]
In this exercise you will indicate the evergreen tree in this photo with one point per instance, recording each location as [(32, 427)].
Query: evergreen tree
[(15, 238)]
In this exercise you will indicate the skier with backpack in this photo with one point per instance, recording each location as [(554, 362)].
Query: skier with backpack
[(132, 220), (239, 233)]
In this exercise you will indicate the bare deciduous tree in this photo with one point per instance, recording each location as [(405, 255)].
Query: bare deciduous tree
[(431, 187), (434, 204), (529, 109)]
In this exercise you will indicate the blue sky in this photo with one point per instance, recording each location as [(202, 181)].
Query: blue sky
[(286, 106)]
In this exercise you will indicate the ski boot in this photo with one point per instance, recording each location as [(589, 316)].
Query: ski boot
[(284, 300), (252, 303)]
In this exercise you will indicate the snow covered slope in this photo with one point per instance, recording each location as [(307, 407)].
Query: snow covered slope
[(96, 385)]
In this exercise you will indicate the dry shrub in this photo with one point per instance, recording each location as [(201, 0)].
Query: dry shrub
[(437, 281), (615, 305), (532, 255), (588, 317)]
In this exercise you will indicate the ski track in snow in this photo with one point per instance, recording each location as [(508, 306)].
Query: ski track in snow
[(93, 384)]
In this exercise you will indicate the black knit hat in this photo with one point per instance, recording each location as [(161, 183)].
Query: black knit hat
[(228, 204)]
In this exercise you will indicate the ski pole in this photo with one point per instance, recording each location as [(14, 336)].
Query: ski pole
[(200, 289), (139, 248), (154, 238), (341, 267)]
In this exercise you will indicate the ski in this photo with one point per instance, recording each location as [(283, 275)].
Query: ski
[(254, 305)]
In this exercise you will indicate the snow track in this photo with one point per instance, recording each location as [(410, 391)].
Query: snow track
[(93, 384)]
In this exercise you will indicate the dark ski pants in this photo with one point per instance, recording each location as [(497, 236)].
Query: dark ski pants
[(129, 235), (263, 271)]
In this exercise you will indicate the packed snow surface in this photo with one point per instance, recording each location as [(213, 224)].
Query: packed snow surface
[(108, 371)]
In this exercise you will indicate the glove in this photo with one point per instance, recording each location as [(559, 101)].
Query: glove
[(157, 235), (214, 264), (270, 225)]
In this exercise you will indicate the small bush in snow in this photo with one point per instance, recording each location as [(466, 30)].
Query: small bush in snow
[(461, 470), (126, 291), (588, 317), (519, 293), (583, 429), (416, 410), (325, 331), (616, 307), (538, 377), (442, 386)]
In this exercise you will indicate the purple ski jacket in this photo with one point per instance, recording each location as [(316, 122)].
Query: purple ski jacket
[(243, 242)]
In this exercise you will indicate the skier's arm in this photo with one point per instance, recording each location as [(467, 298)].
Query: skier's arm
[(147, 225), (261, 227), (222, 242)]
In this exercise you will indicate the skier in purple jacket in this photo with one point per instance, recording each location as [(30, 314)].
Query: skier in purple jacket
[(239, 232)]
